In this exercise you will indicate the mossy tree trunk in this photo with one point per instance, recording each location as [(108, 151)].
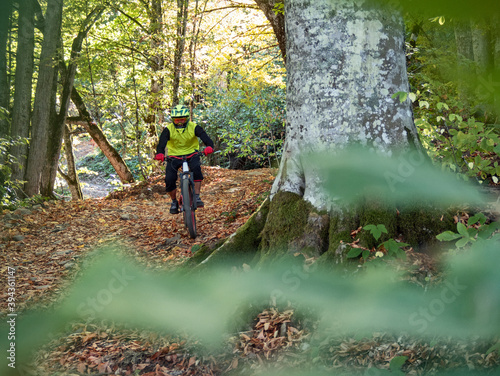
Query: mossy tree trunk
[(344, 63)]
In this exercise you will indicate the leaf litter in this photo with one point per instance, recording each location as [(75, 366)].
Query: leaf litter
[(45, 244)]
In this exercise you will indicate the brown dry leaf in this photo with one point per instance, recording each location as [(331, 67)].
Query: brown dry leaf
[(81, 368), (89, 337), (192, 361)]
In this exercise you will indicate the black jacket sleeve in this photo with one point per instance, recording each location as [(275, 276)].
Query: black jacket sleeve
[(200, 132), (162, 143)]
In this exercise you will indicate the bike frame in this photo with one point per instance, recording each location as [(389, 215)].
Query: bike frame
[(188, 202)]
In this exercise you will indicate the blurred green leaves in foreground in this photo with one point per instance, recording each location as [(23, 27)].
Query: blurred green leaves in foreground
[(357, 173), (112, 287)]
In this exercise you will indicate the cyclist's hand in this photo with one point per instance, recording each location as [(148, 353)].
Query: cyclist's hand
[(208, 150), (160, 157)]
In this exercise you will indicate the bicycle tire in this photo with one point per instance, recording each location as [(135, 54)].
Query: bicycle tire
[(188, 207)]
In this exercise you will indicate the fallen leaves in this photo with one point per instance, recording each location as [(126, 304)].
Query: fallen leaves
[(50, 240)]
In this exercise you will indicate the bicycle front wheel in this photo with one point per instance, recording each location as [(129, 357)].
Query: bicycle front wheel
[(188, 207)]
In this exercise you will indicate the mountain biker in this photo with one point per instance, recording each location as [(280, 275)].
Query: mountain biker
[(180, 137)]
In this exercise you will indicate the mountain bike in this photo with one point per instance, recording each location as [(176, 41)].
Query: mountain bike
[(187, 200)]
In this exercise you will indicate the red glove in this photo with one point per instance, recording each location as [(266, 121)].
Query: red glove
[(160, 157), (208, 150)]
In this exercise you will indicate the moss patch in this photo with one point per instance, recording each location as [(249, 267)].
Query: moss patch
[(242, 246), (286, 221)]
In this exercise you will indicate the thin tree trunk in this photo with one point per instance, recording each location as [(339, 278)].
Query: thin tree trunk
[(157, 82), (277, 20), (465, 57), (71, 176), (182, 13), (44, 97), (95, 132), (23, 85), (463, 39), (56, 133), (5, 13), (481, 44), (193, 45)]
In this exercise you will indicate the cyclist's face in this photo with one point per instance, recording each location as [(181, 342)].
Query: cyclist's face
[(180, 121)]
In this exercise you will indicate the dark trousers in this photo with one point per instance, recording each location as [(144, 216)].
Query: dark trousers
[(173, 165)]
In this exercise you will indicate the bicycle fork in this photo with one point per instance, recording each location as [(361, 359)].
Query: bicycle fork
[(188, 175)]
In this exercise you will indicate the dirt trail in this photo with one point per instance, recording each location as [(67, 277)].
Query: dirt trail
[(45, 243)]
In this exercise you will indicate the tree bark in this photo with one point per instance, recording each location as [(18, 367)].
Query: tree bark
[(44, 98), (465, 57), (56, 130), (21, 111), (463, 39), (5, 13), (342, 96), (482, 46), (182, 13), (71, 176), (95, 132), (157, 81), (277, 20)]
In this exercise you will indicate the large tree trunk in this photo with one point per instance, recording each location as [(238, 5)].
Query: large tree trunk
[(44, 97), (23, 85), (343, 95), (344, 63), (101, 141), (56, 130)]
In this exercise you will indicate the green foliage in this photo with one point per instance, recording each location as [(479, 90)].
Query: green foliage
[(376, 231), (396, 363), (97, 164), (392, 248), (354, 174), (247, 120), (279, 8), (475, 230), (8, 195), (453, 108)]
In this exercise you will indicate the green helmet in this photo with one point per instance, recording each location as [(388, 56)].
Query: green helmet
[(179, 111)]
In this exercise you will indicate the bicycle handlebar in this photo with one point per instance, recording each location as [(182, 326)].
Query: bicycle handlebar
[(184, 157)]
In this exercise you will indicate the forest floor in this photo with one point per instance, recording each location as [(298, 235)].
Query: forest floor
[(46, 243)]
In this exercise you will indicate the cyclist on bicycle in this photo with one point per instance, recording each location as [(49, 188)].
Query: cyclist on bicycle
[(180, 137)]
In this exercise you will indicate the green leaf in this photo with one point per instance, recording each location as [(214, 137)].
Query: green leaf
[(448, 236), (402, 95), (479, 217), (354, 252), (462, 242), (366, 253), (397, 362), (495, 347), (424, 104), (462, 230), (394, 248), (442, 105), (376, 231)]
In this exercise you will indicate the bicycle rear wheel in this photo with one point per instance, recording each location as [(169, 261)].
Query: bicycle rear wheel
[(188, 207)]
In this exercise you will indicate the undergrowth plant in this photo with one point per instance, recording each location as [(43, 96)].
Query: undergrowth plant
[(389, 248), (474, 230)]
